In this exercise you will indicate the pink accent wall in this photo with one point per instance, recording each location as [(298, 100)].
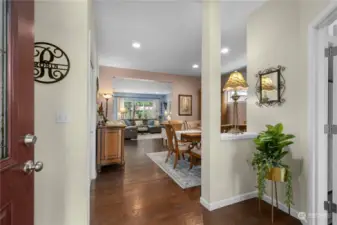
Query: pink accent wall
[(186, 85)]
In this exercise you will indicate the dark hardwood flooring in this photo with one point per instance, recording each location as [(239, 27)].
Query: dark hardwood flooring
[(140, 193)]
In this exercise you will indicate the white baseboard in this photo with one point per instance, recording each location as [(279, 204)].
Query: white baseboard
[(226, 202), (239, 198), (282, 206)]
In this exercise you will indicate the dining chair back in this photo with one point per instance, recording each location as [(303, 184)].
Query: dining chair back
[(177, 124), (174, 146)]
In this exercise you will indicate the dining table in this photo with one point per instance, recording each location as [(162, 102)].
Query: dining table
[(191, 137), (187, 133)]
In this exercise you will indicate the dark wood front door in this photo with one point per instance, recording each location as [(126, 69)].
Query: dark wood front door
[(17, 112)]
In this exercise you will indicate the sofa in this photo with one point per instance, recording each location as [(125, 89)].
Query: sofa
[(154, 126), (144, 125), (130, 131)]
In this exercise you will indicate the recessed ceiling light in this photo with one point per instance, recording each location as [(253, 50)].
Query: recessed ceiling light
[(224, 50), (195, 66), (136, 44)]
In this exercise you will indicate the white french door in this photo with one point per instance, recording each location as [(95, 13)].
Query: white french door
[(333, 136), (330, 127)]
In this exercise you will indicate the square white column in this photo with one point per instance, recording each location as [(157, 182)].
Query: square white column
[(211, 99)]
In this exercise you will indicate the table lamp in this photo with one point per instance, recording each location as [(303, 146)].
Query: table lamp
[(266, 85), (235, 82), (123, 111), (107, 97)]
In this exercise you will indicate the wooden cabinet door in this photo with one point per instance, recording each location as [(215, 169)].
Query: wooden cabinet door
[(112, 144)]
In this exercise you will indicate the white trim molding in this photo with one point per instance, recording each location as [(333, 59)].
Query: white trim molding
[(317, 174), (240, 198), (243, 136), (226, 202)]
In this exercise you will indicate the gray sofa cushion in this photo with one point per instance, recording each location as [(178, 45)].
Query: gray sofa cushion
[(127, 122), (150, 122), (130, 132)]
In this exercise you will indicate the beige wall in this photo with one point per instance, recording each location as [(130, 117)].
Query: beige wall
[(180, 85), (233, 175), (62, 187), (277, 34)]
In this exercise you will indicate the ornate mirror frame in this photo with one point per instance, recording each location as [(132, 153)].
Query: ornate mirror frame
[(280, 87)]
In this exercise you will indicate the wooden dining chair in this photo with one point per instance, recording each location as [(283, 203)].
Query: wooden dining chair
[(195, 157), (175, 146), (177, 124)]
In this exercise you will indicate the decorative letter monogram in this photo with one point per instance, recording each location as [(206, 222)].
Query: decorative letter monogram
[(51, 64)]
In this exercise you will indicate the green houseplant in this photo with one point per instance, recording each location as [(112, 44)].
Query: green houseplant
[(271, 148)]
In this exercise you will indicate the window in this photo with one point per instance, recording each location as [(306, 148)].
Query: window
[(243, 96), (141, 109)]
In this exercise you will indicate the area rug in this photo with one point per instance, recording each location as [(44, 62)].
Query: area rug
[(184, 177), (148, 136)]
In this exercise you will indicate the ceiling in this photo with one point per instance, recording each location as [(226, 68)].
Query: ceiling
[(169, 33), (128, 85)]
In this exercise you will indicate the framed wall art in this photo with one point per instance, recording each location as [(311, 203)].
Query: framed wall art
[(185, 105)]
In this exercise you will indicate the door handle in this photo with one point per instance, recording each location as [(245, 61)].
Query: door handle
[(29, 139), (30, 166)]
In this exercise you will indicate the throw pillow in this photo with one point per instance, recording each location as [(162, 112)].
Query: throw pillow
[(139, 122), (127, 123), (150, 122), (156, 123)]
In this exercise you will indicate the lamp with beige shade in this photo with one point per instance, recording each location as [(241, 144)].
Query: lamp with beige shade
[(123, 111), (107, 96), (236, 82)]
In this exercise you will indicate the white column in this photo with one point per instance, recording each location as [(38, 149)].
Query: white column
[(211, 99)]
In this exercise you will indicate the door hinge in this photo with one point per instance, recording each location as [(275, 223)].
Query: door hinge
[(331, 51), (330, 129), (330, 207)]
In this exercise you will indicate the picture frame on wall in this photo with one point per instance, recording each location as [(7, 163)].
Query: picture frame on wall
[(185, 105)]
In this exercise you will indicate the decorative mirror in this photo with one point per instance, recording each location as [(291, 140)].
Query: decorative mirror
[(270, 86)]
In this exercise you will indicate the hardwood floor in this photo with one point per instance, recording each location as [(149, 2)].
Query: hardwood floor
[(142, 194)]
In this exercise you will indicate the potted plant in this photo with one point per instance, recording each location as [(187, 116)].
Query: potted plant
[(101, 118), (267, 160)]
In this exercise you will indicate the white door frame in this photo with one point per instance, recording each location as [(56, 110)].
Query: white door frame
[(317, 118), (92, 107)]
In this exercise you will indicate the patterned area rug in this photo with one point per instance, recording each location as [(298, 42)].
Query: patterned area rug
[(184, 177), (148, 136)]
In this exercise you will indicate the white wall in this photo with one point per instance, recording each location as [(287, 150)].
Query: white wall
[(233, 175), (62, 188), (277, 34), (140, 86), (226, 172)]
